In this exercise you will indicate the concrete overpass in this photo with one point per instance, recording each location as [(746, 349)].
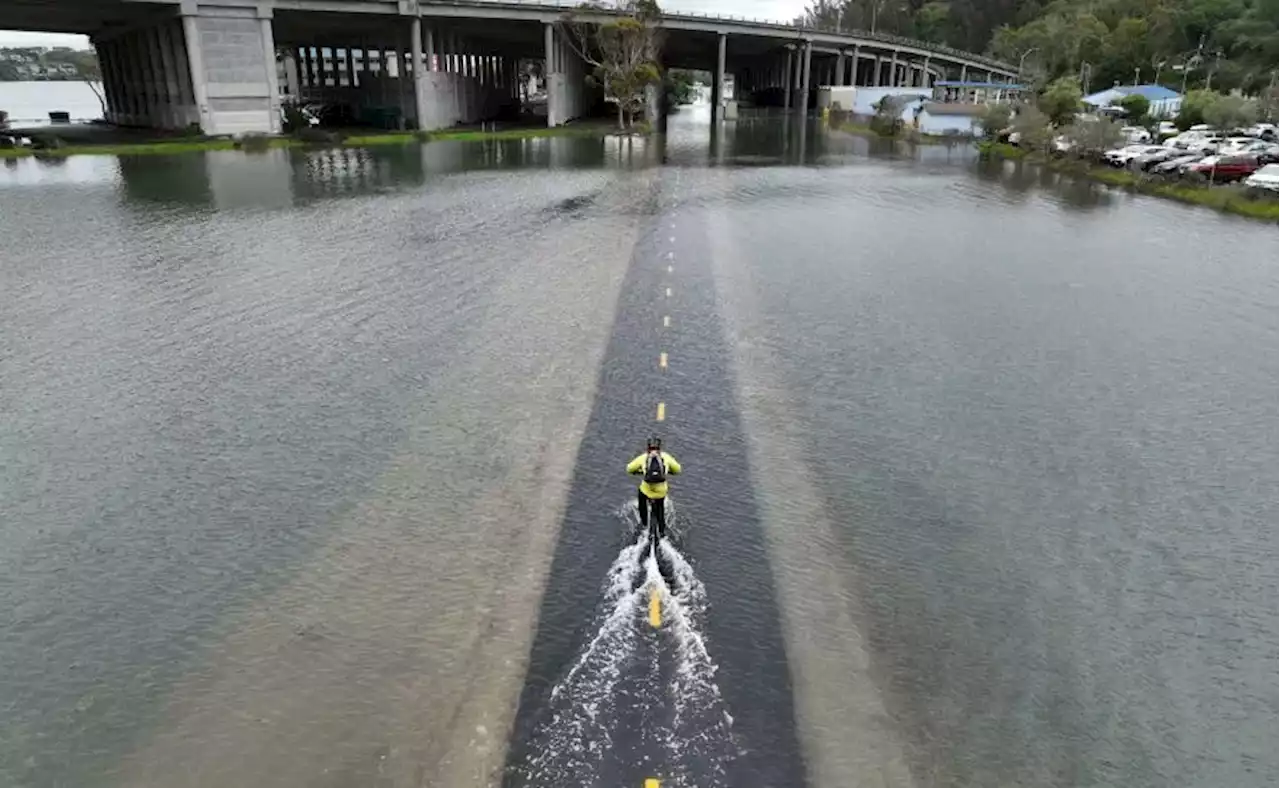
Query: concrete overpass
[(226, 64)]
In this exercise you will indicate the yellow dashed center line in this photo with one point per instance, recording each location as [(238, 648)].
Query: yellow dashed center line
[(662, 411), (662, 360), (652, 782), (655, 614), (668, 292), (670, 268), (666, 321)]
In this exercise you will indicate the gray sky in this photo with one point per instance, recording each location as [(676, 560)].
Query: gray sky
[(779, 10)]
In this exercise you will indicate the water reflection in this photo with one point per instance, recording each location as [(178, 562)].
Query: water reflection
[(1023, 180)]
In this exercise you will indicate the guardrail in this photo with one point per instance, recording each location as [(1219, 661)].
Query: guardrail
[(854, 35)]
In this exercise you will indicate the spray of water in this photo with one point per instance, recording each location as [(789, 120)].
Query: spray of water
[(695, 729)]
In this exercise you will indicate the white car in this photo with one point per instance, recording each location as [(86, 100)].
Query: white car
[(1243, 145), (1167, 129), (1122, 156), (1135, 134), (1266, 178)]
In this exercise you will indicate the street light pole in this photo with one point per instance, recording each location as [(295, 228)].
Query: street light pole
[(1021, 59)]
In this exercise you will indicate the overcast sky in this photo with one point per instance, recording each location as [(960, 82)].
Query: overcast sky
[(779, 10)]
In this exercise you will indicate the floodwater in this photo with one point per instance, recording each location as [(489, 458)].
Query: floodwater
[(29, 103), (311, 470)]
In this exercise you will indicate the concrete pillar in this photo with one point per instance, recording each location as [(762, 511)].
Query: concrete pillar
[(430, 48), (717, 86), (893, 71), (786, 85), (964, 72), (853, 66), (169, 77), (804, 88), (195, 64), (924, 72), (103, 50), (419, 74), (990, 77), (839, 80), (269, 65), (875, 72), (549, 42), (291, 81)]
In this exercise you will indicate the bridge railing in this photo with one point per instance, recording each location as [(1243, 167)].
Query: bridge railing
[(864, 35)]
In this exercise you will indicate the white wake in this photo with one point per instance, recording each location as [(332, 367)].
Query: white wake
[(695, 732)]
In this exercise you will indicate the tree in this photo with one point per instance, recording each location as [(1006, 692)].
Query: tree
[(1135, 107), (1193, 109), (1061, 100), (679, 84), (1091, 137), (1033, 129), (622, 50), (993, 119), (887, 122), (1231, 112)]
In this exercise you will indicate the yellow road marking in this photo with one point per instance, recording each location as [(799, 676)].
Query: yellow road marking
[(672, 239), (668, 292), (662, 360), (651, 782), (670, 268), (662, 411), (671, 255), (666, 321), (655, 613)]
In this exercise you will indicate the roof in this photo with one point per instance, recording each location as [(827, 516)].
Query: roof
[(1149, 92), (947, 83)]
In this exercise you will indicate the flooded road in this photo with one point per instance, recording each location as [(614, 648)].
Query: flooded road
[(312, 469)]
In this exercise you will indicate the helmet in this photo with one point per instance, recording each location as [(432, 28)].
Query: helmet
[(654, 444)]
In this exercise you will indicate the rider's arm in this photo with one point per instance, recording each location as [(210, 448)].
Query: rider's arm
[(636, 465), (673, 467)]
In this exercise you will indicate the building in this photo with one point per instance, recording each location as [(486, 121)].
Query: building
[(1165, 103)]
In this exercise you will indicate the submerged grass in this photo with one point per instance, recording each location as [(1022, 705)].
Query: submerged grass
[(354, 141), (1228, 198)]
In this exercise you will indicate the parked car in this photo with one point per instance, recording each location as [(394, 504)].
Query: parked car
[(1120, 157), (1135, 135), (1166, 129), (1222, 169), (1155, 155), (1243, 145), (1263, 131), (1175, 165), (1268, 177)]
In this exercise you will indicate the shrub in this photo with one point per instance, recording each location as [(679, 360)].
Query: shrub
[(47, 142), (254, 142)]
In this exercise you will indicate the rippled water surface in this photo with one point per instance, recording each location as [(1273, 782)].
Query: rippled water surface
[(311, 465)]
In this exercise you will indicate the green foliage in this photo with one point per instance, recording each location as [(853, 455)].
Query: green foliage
[(47, 142), (993, 119), (1230, 112), (254, 142), (1192, 111), (679, 86), (1061, 100), (1034, 131), (1091, 137), (1135, 107), (887, 122), (623, 53)]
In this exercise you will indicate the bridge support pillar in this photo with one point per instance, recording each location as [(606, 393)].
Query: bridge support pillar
[(924, 74), (717, 85), (804, 86), (786, 82), (964, 72), (839, 80)]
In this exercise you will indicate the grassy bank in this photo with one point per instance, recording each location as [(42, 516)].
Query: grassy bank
[(354, 141), (907, 135), (1229, 198)]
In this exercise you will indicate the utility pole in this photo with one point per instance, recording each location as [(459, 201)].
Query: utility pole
[(1137, 75)]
